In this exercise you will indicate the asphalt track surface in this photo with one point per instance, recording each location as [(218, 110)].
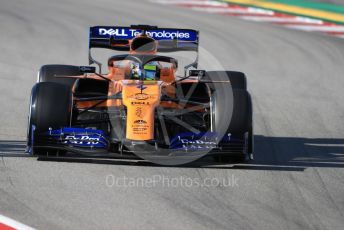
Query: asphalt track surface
[(295, 78)]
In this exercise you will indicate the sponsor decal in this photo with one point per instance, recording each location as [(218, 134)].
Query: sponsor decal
[(134, 33), (139, 112), (140, 122), (140, 128), (140, 102), (192, 141), (158, 34), (162, 34), (81, 140), (112, 32), (80, 137), (194, 144), (87, 69), (141, 87), (200, 141), (140, 96)]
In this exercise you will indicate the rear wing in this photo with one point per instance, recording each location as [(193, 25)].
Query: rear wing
[(180, 39), (169, 39)]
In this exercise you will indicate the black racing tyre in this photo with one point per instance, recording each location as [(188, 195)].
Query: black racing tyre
[(238, 104), (48, 73), (237, 79), (221, 104), (240, 121), (250, 149), (50, 107)]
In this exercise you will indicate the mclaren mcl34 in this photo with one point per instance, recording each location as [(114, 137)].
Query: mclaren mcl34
[(140, 106)]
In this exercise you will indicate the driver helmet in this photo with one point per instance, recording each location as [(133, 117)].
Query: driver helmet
[(149, 73)]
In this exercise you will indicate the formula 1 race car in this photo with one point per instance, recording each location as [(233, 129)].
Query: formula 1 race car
[(141, 108)]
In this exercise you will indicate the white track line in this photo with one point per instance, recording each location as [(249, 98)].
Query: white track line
[(193, 2), (333, 28), (259, 15), (14, 224), (224, 10), (310, 20), (259, 10), (230, 9), (279, 19)]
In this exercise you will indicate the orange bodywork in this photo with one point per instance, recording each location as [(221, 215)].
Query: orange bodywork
[(140, 104), (140, 97), (117, 75), (140, 109)]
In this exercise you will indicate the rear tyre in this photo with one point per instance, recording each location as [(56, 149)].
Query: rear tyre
[(50, 107), (48, 73), (237, 79)]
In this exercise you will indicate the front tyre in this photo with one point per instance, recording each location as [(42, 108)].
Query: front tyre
[(50, 107), (240, 125)]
